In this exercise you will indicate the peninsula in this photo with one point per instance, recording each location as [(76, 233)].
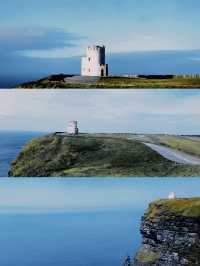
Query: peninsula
[(85, 155), (170, 231)]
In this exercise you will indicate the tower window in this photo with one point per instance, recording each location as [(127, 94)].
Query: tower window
[(89, 59)]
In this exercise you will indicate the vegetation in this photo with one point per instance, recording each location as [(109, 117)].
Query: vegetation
[(187, 144), (147, 256), (57, 81), (93, 155), (178, 207)]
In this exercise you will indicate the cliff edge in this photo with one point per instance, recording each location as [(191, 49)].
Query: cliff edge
[(170, 234)]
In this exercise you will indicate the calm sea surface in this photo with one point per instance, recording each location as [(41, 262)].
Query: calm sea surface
[(74, 221), (10, 145)]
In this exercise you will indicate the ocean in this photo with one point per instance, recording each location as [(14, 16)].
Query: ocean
[(11, 81), (10, 145), (74, 221)]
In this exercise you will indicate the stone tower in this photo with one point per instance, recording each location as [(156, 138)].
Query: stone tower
[(93, 64), (72, 128), (172, 196)]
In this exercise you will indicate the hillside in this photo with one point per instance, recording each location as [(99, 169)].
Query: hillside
[(93, 155)]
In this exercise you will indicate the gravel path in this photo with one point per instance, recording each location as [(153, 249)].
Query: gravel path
[(174, 155)]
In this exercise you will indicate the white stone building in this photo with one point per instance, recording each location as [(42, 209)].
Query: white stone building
[(172, 195), (94, 63), (72, 128)]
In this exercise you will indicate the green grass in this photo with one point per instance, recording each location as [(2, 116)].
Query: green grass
[(147, 256), (167, 208), (120, 82), (149, 83), (184, 144)]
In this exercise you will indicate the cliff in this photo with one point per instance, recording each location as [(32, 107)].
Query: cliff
[(170, 234)]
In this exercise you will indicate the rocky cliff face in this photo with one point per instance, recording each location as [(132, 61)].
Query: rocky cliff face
[(171, 234)]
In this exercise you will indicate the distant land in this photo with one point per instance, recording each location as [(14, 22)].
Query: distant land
[(89, 155), (114, 82)]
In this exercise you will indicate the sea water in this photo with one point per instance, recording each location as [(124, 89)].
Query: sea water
[(10, 145)]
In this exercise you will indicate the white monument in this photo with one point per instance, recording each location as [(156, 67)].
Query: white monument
[(72, 128), (93, 64), (172, 195)]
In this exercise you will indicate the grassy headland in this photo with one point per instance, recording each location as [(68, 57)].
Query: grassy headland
[(93, 155), (180, 207)]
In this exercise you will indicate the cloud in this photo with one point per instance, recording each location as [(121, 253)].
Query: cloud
[(151, 111), (19, 39), (17, 44), (155, 62)]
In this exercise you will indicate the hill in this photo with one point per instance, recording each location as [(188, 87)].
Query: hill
[(93, 155)]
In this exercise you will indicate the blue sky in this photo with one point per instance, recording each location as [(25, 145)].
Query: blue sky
[(144, 111), (146, 36)]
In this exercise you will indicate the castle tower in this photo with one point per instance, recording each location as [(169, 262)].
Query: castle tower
[(94, 63), (172, 196), (72, 128)]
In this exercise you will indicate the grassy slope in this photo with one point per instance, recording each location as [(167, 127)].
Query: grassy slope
[(90, 155), (120, 82)]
